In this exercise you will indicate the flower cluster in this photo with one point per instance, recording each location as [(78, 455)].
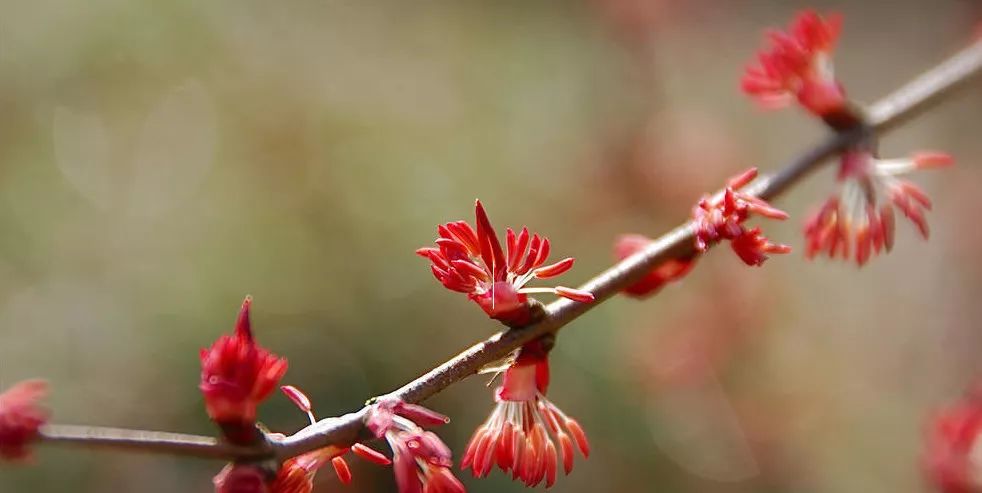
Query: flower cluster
[(475, 263), (721, 217), (858, 220), (522, 432), (952, 454), (236, 375), (669, 271), (21, 416), (421, 460), (799, 66)]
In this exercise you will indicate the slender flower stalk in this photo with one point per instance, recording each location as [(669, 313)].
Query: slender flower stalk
[(523, 431), (473, 262), (21, 416), (858, 220), (236, 375), (798, 65)]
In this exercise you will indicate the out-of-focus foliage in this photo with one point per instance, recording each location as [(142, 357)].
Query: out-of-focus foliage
[(159, 160)]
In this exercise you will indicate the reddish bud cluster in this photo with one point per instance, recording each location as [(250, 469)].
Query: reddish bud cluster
[(21, 416), (858, 221), (421, 460), (721, 218), (236, 375), (669, 271), (523, 430), (474, 262), (953, 447), (236, 478), (798, 65)]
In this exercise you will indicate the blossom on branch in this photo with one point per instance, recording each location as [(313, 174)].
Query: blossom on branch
[(721, 217), (858, 220), (669, 271), (21, 416), (473, 262), (951, 456), (798, 65), (421, 460), (523, 431), (244, 478), (236, 375)]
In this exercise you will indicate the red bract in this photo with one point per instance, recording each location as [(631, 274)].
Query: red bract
[(523, 431), (475, 263), (240, 479), (858, 220), (721, 217), (953, 447), (421, 461), (21, 416), (670, 270), (236, 375), (798, 65)]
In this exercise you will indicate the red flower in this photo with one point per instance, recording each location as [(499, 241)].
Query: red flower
[(475, 263), (236, 375), (296, 475), (721, 217), (951, 456), (20, 418), (859, 220), (799, 65), (651, 283), (236, 478), (523, 430), (420, 459)]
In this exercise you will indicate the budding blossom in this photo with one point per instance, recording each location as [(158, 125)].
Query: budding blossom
[(21, 416), (669, 271), (297, 473), (721, 217), (421, 461), (799, 66), (474, 262), (953, 452), (236, 375), (235, 478), (859, 220), (523, 431)]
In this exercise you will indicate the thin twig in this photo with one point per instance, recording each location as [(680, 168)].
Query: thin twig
[(885, 115)]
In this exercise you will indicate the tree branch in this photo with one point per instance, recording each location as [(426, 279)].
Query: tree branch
[(883, 116)]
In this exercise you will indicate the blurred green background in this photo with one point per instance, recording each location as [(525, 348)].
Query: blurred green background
[(160, 160)]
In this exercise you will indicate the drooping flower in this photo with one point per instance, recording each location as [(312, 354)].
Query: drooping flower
[(297, 473), (236, 375), (522, 433), (241, 478), (953, 454), (421, 461), (651, 283), (858, 220), (475, 263), (21, 416), (721, 217), (798, 65)]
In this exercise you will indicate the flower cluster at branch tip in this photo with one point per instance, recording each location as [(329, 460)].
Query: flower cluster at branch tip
[(953, 454), (799, 66), (421, 460), (236, 375), (474, 262), (721, 217), (858, 220), (521, 433), (669, 271), (21, 416)]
